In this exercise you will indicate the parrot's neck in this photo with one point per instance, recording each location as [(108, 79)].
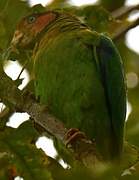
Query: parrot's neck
[(66, 22), (63, 23)]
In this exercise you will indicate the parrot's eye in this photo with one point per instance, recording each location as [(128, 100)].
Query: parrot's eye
[(31, 19)]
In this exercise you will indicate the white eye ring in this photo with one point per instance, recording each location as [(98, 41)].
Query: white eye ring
[(31, 19)]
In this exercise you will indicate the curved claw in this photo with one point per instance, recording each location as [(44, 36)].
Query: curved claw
[(72, 135)]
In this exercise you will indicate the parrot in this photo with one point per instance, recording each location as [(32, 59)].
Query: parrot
[(78, 73)]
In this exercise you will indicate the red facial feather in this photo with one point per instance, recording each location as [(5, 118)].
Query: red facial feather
[(42, 21)]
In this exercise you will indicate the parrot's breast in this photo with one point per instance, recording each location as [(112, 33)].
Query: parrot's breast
[(67, 80)]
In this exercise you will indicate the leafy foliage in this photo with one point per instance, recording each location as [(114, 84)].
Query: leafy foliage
[(109, 5), (9, 19), (18, 154)]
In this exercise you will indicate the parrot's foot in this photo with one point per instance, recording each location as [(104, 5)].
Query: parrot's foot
[(72, 135)]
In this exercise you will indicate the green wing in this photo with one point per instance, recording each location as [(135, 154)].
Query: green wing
[(111, 70)]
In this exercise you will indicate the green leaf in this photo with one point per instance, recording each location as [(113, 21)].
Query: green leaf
[(10, 13), (110, 5), (18, 153), (57, 4), (96, 17)]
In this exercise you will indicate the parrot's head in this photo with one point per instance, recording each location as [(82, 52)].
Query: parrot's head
[(30, 28)]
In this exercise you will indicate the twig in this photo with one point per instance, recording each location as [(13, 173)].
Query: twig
[(4, 112), (123, 11), (123, 29)]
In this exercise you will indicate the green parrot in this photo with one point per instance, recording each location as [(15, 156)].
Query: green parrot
[(78, 74)]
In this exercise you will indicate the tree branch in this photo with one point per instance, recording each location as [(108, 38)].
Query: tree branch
[(122, 24), (124, 28), (83, 149), (123, 11)]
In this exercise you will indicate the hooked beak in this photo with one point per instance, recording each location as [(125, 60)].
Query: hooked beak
[(12, 51), (18, 35)]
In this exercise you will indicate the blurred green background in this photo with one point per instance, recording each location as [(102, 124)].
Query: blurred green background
[(98, 16)]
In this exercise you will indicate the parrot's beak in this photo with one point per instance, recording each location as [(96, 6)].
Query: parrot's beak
[(18, 35), (12, 51)]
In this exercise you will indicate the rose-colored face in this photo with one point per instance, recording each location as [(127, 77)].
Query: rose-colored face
[(29, 27)]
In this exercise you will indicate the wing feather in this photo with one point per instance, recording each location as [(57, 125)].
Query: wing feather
[(112, 75)]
